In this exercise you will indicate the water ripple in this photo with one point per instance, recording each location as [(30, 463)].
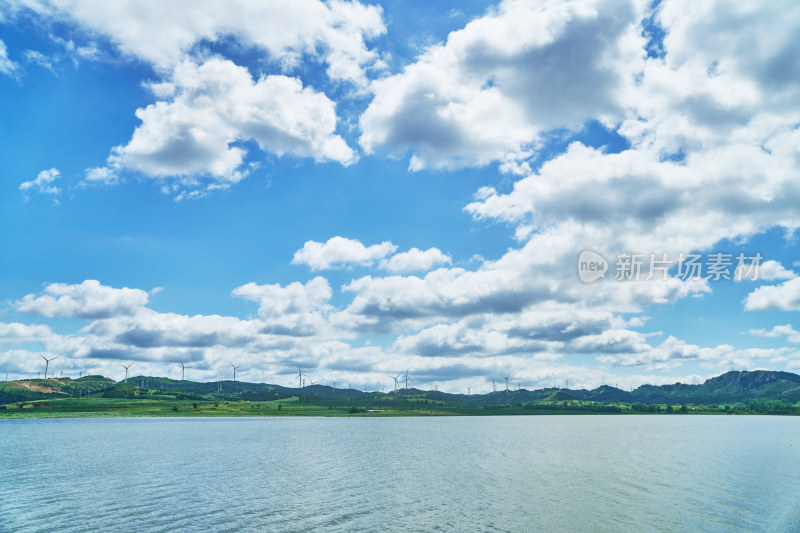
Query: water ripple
[(545, 473)]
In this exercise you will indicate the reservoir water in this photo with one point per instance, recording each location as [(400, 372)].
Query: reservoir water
[(525, 473)]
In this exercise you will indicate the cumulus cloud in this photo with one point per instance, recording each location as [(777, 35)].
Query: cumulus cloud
[(212, 106), (766, 271), (191, 137), (415, 260), (496, 85), (782, 297), (165, 34), (44, 183), (340, 251), (711, 153), (542, 271), (453, 355), (15, 333), (785, 331), (149, 329), (295, 310), (89, 299), (656, 205), (455, 340), (672, 351)]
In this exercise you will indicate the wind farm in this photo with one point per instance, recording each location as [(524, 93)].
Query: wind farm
[(735, 392)]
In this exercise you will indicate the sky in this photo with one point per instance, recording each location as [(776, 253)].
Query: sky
[(581, 193)]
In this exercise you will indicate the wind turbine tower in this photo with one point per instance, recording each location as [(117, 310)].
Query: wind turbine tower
[(406, 381), (126, 371), (300, 376), (183, 368), (395, 382), (47, 364), (506, 378), (234, 370)]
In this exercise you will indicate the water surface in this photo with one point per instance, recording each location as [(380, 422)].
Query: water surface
[(524, 473)]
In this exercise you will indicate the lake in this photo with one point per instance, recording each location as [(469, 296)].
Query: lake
[(524, 473)]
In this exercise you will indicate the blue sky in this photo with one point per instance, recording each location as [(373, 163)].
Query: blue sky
[(362, 189)]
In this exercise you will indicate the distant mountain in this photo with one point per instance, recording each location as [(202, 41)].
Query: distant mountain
[(731, 387)]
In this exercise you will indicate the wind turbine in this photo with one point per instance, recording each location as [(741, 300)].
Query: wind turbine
[(300, 376), (182, 370), (506, 378), (406, 381), (234, 370), (126, 371), (47, 364), (395, 382)]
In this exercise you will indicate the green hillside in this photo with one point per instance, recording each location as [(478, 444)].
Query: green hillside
[(759, 391)]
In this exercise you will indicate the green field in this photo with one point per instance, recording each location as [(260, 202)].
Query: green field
[(171, 407), (97, 396)]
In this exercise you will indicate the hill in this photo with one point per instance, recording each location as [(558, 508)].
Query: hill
[(733, 386), (729, 388)]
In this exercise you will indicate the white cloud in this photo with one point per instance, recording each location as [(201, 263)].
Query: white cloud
[(672, 352), (490, 91), (38, 58), (339, 251), (44, 183), (415, 260), (216, 104), (542, 271), (7, 66), (658, 206), (189, 138), (15, 333), (164, 34), (771, 270), (782, 297), (100, 175), (713, 154), (462, 338), (766, 271), (89, 299), (785, 331), (295, 310), (294, 327), (149, 329)]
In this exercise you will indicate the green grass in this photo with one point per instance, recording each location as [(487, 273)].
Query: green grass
[(156, 404), (166, 406)]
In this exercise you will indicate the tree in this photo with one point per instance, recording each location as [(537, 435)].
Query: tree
[(669, 410)]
